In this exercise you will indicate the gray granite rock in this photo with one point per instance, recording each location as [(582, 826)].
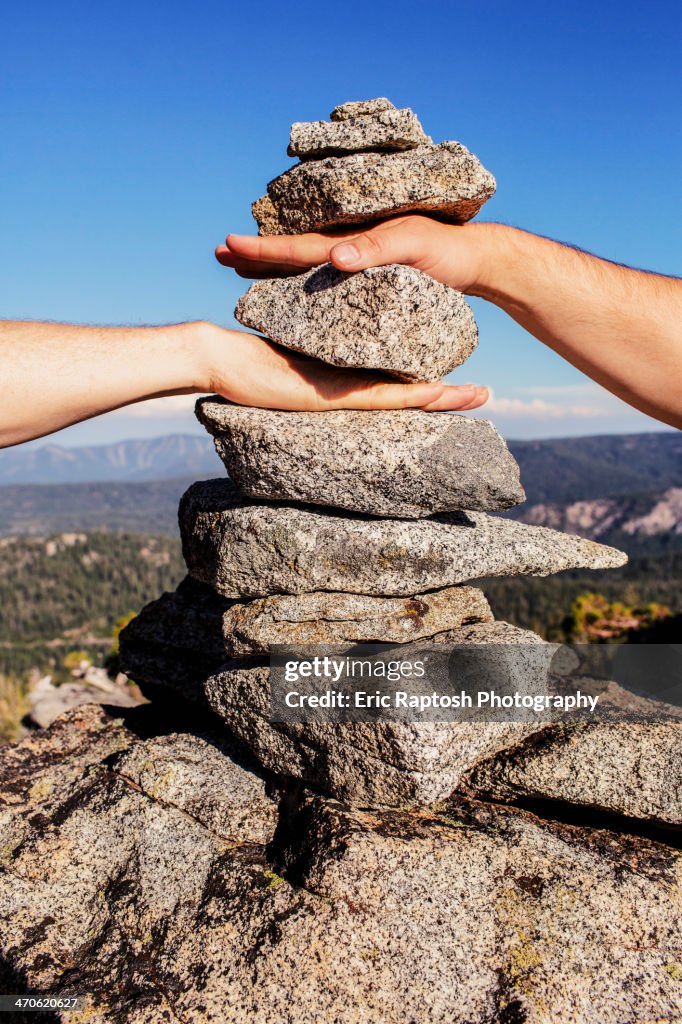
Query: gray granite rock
[(175, 642), (387, 762), (164, 898), (588, 922), (179, 639), (329, 618), (629, 767), (256, 549), (404, 463), (360, 108), (197, 775), (395, 319), (446, 180), (386, 130)]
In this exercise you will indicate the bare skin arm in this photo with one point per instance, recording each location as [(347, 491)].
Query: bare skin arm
[(54, 375), (621, 327)]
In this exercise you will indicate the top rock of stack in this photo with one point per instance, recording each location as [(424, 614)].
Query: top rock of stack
[(369, 162), (361, 108), (387, 130)]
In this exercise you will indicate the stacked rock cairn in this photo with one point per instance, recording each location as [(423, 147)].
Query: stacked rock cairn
[(345, 527), (194, 861)]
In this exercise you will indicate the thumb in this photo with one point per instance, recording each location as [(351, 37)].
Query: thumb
[(373, 248)]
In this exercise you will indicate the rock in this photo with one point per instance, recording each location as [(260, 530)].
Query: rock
[(405, 463), (632, 768), (197, 776), (511, 917), (387, 762), (254, 549), (330, 618), (446, 180), (176, 641), (395, 319), (385, 130), (50, 760), (360, 108), (48, 702), (165, 896)]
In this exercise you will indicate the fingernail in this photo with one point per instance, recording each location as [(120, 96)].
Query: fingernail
[(346, 253)]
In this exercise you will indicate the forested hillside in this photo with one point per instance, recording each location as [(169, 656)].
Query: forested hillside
[(67, 592)]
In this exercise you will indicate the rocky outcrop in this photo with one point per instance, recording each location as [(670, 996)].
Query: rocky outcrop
[(170, 882)]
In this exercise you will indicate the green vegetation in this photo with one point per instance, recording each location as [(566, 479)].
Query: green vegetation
[(550, 605), (13, 706), (72, 593), (42, 509)]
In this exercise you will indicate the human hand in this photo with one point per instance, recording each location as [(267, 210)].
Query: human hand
[(451, 254), (250, 370)]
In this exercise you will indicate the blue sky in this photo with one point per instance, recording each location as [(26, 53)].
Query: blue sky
[(135, 135)]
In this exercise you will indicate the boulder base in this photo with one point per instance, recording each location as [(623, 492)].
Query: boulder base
[(156, 881)]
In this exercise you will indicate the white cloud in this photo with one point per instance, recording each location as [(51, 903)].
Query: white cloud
[(562, 389), (541, 409)]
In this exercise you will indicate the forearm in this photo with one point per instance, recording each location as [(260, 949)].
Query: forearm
[(58, 374), (620, 326)]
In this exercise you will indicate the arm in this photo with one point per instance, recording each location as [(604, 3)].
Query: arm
[(58, 374), (619, 326)]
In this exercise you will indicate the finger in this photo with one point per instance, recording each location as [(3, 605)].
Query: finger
[(252, 268), (390, 242), (307, 250), (403, 396), (451, 400)]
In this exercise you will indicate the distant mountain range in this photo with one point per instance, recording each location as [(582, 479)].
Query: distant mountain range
[(624, 490), (158, 458)]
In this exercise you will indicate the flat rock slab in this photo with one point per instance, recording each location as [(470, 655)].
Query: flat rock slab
[(384, 130), (187, 635), (633, 768), (446, 180), (404, 463), (395, 319), (361, 108), (328, 618), (381, 762), (164, 895), (246, 549)]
